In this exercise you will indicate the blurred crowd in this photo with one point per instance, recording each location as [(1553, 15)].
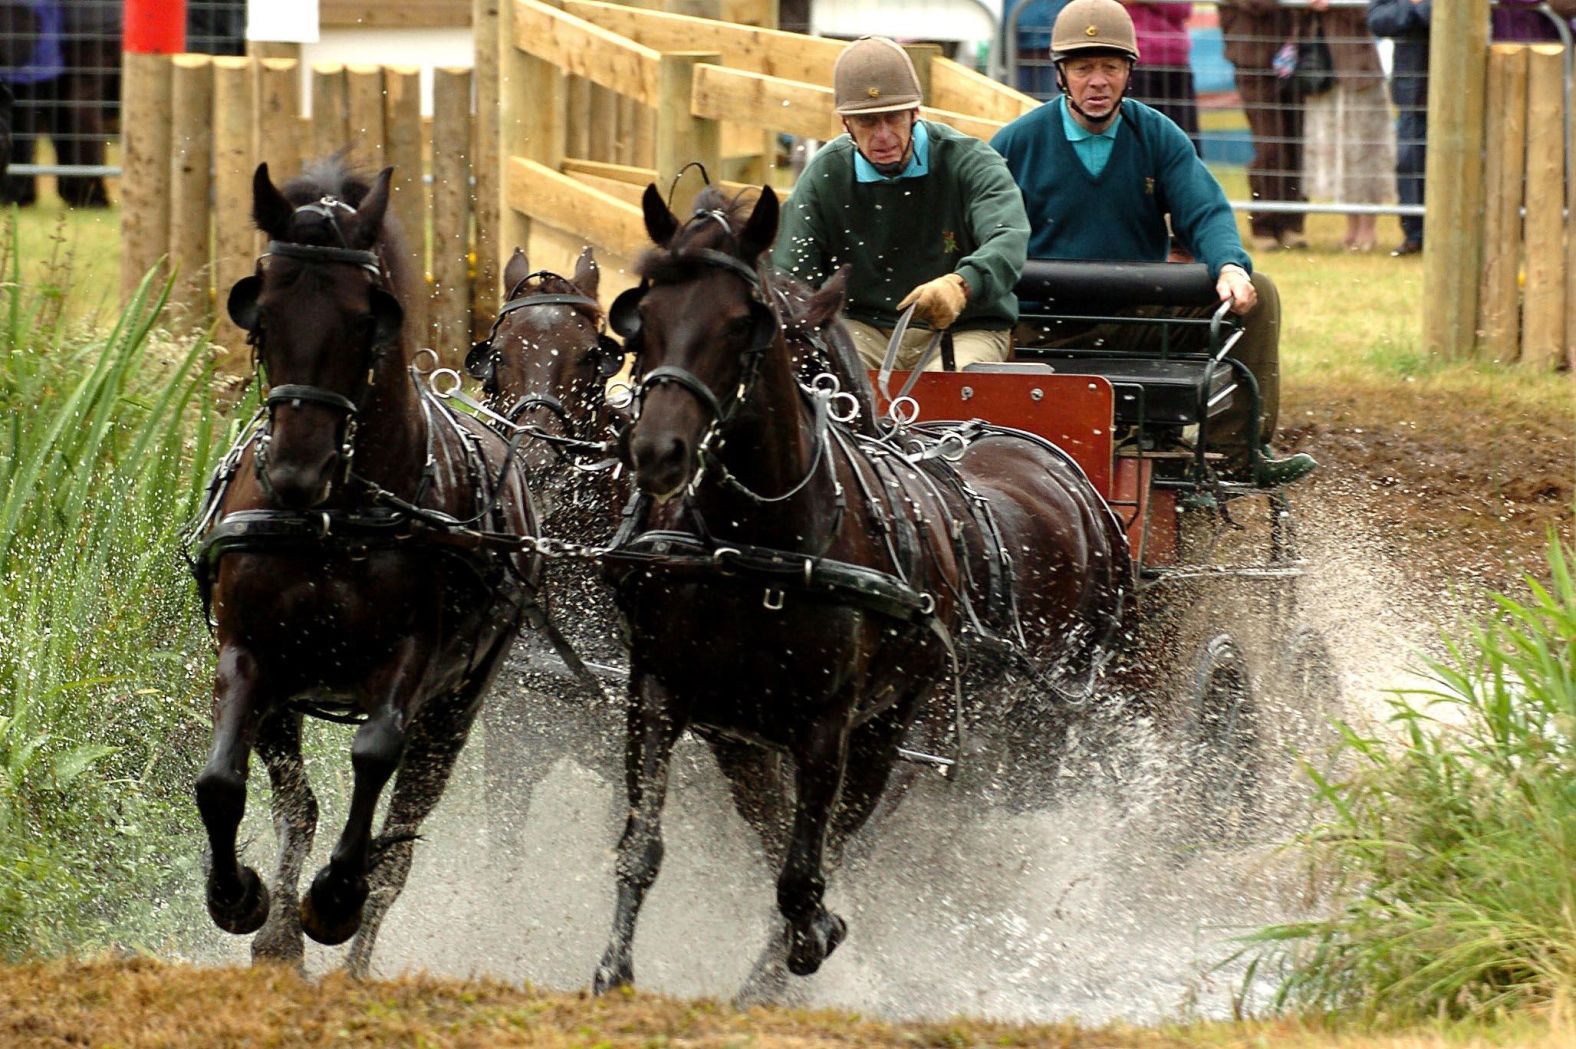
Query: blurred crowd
[(60, 66)]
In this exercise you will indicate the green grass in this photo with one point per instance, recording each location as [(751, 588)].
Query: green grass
[(102, 657), (1450, 845)]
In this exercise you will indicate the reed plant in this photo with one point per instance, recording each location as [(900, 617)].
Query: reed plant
[(1449, 846), (104, 447)]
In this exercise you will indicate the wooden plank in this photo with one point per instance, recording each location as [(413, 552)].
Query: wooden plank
[(236, 242), (602, 139), (618, 188), (960, 89), (683, 137), (792, 56), (760, 100), (408, 189), (451, 214), (145, 160), (549, 197), (577, 126), (632, 175), (1452, 227), (1543, 307), (1507, 164), (278, 116), (330, 109), (979, 127), (394, 14), (580, 47), (191, 185), (366, 133), (488, 193)]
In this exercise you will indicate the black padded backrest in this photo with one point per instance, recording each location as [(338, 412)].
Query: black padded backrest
[(1063, 286)]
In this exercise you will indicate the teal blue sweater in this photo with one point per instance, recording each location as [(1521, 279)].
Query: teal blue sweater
[(1119, 214), (964, 216)]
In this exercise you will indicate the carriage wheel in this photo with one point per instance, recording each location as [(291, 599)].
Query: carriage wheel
[(1224, 766), (1310, 688)]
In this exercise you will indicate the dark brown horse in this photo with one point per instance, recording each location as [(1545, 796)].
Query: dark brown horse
[(801, 588), (545, 367), (353, 557)]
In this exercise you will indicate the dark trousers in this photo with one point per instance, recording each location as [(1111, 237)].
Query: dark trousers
[(1411, 139), (1275, 173)]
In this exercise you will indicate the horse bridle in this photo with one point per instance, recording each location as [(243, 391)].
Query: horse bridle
[(299, 393), (481, 362), (625, 319)]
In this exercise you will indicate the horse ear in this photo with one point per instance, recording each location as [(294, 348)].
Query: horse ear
[(270, 210), (761, 229), (661, 223), (518, 268), (828, 299), (362, 228), (587, 275)]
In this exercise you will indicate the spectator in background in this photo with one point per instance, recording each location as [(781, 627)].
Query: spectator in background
[(1253, 30), (1349, 152), (1164, 76), (30, 63), (1407, 21), (1036, 71)]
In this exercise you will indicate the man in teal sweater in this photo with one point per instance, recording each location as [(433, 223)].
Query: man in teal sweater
[(1101, 173), (922, 214)]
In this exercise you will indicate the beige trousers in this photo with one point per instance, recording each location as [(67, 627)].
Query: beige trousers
[(969, 347)]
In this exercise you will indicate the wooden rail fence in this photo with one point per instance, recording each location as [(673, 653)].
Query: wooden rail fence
[(573, 107), (1527, 298)]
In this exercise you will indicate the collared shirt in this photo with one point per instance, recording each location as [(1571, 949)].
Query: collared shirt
[(1093, 147), (918, 164)]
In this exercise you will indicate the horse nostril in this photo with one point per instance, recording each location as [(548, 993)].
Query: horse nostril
[(661, 461)]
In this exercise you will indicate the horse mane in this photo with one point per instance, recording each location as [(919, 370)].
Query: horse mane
[(787, 295), (333, 176)]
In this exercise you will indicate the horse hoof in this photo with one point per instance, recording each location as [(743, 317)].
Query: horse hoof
[(807, 949), (612, 974), (247, 912), (331, 909)]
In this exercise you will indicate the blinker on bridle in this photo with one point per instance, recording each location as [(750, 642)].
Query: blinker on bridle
[(479, 363)]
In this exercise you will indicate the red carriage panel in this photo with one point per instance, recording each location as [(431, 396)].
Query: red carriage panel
[(1074, 412)]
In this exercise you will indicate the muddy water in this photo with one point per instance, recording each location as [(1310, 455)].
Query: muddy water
[(1084, 909)]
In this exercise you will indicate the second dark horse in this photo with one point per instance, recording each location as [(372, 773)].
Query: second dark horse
[(801, 588)]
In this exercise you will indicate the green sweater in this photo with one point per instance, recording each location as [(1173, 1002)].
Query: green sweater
[(1119, 214), (964, 216)]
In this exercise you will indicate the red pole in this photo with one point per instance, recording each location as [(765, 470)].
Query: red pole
[(154, 27)]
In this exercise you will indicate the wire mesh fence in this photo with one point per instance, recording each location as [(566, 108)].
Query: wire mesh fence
[(1227, 74), (60, 60)]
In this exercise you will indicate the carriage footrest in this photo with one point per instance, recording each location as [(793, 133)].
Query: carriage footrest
[(1176, 391)]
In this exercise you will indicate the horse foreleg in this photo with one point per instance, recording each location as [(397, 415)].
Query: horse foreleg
[(237, 898), (654, 725), (331, 909), (435, 744), (813, 931), (295, 824)]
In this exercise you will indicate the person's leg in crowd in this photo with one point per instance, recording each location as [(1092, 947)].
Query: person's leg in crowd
[(1411, 135), (1275, 172)]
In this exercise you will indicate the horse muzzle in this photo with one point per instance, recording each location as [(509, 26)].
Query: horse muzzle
[(663, 463)]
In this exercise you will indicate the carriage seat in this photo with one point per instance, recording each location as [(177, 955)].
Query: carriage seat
[(1149, 391)]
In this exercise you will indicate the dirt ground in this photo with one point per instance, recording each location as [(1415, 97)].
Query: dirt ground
[(1461, 492)]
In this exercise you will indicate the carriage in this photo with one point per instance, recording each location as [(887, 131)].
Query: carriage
[(1218, 652)]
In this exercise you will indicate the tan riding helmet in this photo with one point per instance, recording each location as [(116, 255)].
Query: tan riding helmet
[(874, 75), (1093, 25)]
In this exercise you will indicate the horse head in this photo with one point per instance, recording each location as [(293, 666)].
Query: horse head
[(699, 325), (546, 361), (322, 316)]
